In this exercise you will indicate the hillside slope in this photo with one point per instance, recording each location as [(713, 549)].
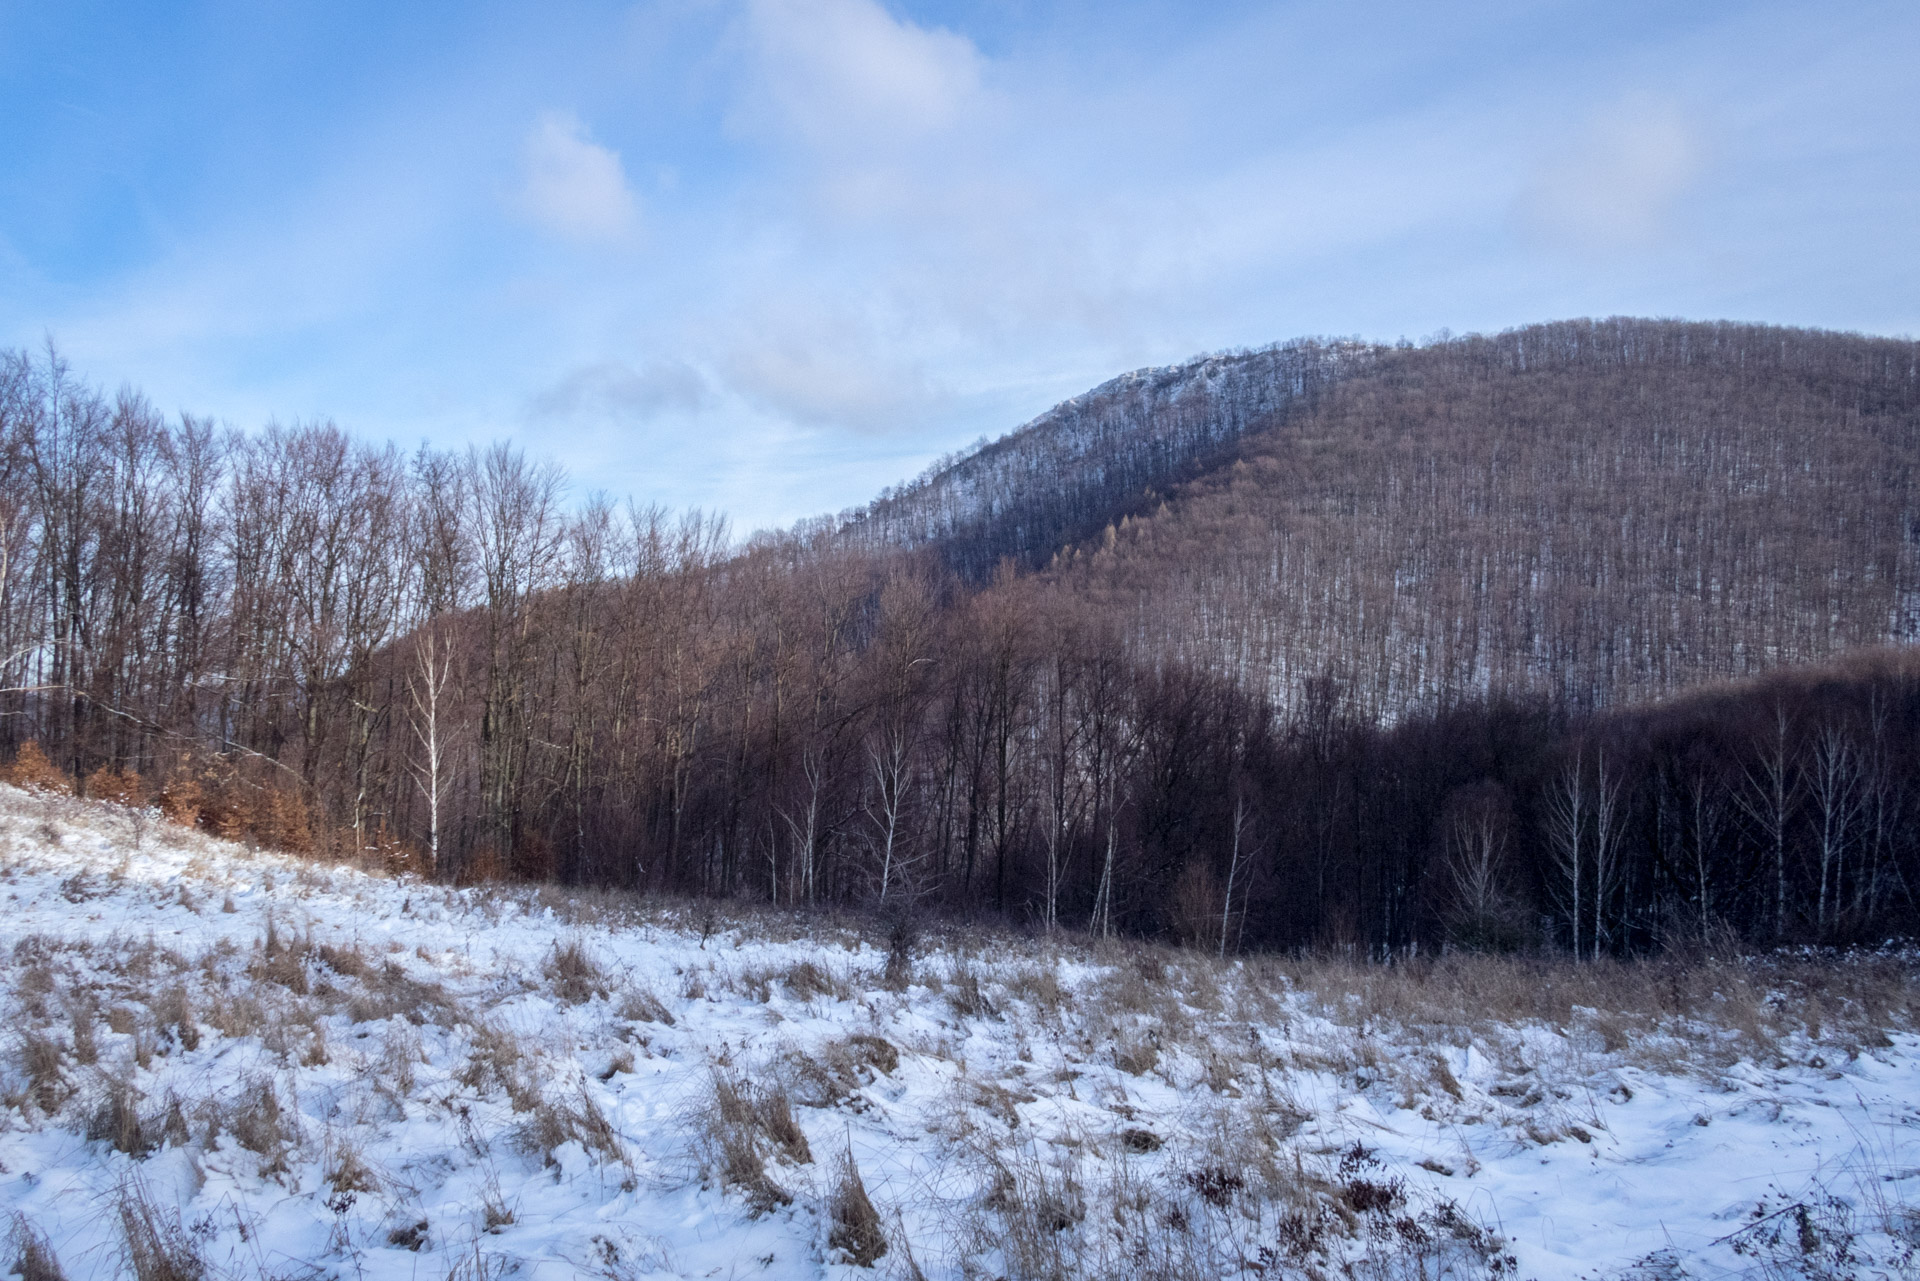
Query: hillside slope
[(1077, 466), (1602, 511)]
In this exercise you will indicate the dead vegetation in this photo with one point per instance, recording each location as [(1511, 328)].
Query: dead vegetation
[(156, 1245), (32, 1257), (1657, 1006), (856, 1230), (574, 975), (576, 1119), (639, 1004), (742, 1127), (1064, 1215)]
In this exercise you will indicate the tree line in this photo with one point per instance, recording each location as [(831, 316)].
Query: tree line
[(435, 658)]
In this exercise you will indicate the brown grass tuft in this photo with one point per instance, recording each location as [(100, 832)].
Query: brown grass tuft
[(117, 1120), (258, 1123), (577, 1120), (966, 994), (856, 1224), (638, 1004), (33, 1258), (496, 1059), (574, 975), (805, 980), (347, 1170), (736, 1127), (43, 1063), (174, 1014), (157, 1246)]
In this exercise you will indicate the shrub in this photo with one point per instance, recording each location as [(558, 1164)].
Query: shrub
[(122, 787), (31, 771)]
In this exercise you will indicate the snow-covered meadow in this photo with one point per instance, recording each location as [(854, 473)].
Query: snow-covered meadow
[(223, 1063)]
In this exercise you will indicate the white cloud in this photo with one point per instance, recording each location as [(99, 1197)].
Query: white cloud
[(826, 368), (572, 185), (1618, 179), (844, 74), (616, 390)]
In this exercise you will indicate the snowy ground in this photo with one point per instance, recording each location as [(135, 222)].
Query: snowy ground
[(231, 1064)]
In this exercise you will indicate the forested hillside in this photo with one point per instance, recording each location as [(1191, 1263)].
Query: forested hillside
[(1597, 512), (1084, 462), (1320, 644)]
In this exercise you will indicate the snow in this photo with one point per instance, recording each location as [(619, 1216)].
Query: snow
[(1020, 1107)]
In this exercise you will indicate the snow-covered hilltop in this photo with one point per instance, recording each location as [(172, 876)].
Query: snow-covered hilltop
[(1088, 459), (231, 1064)]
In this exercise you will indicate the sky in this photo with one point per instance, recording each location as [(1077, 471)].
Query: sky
[(765, 257)]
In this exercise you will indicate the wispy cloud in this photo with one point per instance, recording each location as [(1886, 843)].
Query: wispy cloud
[(845, 75), (572, 185), (1616, 180), (613, 389)]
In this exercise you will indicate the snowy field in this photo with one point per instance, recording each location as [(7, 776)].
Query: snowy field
[(227, 1064)]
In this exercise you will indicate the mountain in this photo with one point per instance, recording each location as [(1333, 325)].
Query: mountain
[(1601, 511), (1089, 459)]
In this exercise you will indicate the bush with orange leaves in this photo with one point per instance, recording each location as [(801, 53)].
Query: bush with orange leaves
[(217, 796), (32, 771), (122, 787)]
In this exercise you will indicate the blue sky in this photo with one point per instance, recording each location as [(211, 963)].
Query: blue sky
[(767, 256)]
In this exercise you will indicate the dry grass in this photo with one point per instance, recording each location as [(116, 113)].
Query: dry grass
[(833, 1074), (43, 1063), (766, 1112), (33, 1257), (856, 1230), (639, 1004), (575, 1120), (258, 1122), (118, 1121), (1215, 1209), (497, 1060), (741, 1127), (389, 991), (347, 1170), (574, 975), (83, 1011), (966, 993), (1623, 1007), (1038, 984), (156, 1246), (805, 980), (175, 1019)]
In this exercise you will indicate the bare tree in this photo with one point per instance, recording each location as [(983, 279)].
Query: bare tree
[(1241, 851), (1836, 786), (1477, 823), (1569, 811), (1768, 795), (427, 690)]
